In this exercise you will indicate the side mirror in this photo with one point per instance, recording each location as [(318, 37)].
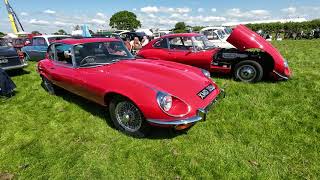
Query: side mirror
[(47, 55), (215, 37)]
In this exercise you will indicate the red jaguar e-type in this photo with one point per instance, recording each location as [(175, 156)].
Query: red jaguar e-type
[(137, 92), (194, 49)]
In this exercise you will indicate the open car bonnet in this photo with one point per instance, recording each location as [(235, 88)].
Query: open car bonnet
[(243, 38)]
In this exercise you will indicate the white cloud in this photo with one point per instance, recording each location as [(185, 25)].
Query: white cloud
[(183, 10), (97, 21), (24, 14), (60, 24), (200, 10), (155, 9), (214, 10), (49, 11), (289, 10), (151, 15), (101, 15), (149, 9), (252, 14), (38, 22)]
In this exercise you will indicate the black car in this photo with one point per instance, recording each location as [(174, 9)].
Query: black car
[(10, 58), (132, 35)]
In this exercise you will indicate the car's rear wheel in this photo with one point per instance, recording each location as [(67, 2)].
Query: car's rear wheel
[(248, 71), (48, 86), (127, 117)]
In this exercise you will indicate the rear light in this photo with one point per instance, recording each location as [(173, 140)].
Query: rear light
[(21, 55)]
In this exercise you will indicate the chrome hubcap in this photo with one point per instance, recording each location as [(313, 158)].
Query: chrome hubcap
[(128, 116), (247, 72)]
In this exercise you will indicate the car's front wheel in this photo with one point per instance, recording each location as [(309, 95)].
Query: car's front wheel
[(48, 85), (248, 71), (127, 117)]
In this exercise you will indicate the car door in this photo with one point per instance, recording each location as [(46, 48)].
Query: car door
[(160, 50), (62, 69), (38, 49), (182, 50)]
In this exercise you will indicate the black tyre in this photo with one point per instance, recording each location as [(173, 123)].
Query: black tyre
[(248, 71), (48, 86), (127, 117)]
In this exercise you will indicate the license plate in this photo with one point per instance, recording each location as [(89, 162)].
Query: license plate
[(206, 91)]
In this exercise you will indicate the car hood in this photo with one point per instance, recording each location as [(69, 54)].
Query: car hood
[(7, 51), (176, 79), (243, 38)]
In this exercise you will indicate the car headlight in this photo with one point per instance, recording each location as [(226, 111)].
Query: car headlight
[(164, 101), (172, 105), (206, 73), (285, 63)]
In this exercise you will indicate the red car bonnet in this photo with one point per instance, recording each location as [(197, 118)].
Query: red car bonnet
[(243, 38)]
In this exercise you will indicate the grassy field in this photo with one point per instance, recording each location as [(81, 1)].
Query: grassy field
[(259, 131)]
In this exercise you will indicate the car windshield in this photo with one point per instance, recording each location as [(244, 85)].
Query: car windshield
[(221, 34), (202, 43), (100, 53), (5, 43), (228, 30)]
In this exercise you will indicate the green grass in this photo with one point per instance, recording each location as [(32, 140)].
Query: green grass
[(259, 131)]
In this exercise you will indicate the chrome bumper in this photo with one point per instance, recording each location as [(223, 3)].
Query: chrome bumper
[(201, 114), (280, 76), (15, 67)]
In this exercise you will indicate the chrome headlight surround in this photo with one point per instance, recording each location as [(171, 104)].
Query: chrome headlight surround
[(206, 73), (167, 101), (164, 101)]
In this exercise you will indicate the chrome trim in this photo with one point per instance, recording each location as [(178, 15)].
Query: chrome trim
[(177, 122), (280, 75), (158, 101), (15, 67), (201, 114)]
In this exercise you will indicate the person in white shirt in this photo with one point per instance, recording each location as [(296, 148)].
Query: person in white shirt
[(145, 41)]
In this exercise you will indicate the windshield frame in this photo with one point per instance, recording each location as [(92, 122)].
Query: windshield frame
[(76, 65), (204, 41)]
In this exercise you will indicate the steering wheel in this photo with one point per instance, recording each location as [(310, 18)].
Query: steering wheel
[(87, 60)]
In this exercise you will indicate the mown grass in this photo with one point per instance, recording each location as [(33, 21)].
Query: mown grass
[(259, 131)]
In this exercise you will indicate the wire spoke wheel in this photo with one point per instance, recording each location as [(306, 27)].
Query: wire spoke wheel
[(128, 116)]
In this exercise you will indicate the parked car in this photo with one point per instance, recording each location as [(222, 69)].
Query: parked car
[(160, 33), (10, 58), (253, 59), (38, 47), (131, 35), (218, 36), (138, 92), (265, 35)]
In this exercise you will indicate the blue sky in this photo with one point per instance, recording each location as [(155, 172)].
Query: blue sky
[(49, 16)]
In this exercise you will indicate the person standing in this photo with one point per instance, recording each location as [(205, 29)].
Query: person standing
[(145, 41)]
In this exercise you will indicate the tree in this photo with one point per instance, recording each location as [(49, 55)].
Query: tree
[(124, 20), (2, 34), (180, 27), (60, 32), (35, 33)]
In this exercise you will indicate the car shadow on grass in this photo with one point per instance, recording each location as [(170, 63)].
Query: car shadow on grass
[(101, 112), (17, 72)]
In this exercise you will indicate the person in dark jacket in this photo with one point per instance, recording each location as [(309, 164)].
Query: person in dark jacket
[(7, 86)]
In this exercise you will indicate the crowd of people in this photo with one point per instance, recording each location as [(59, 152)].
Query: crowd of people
[(135, 45)]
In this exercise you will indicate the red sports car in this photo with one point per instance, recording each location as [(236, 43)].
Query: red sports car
[(138, 92), (253, 59)]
